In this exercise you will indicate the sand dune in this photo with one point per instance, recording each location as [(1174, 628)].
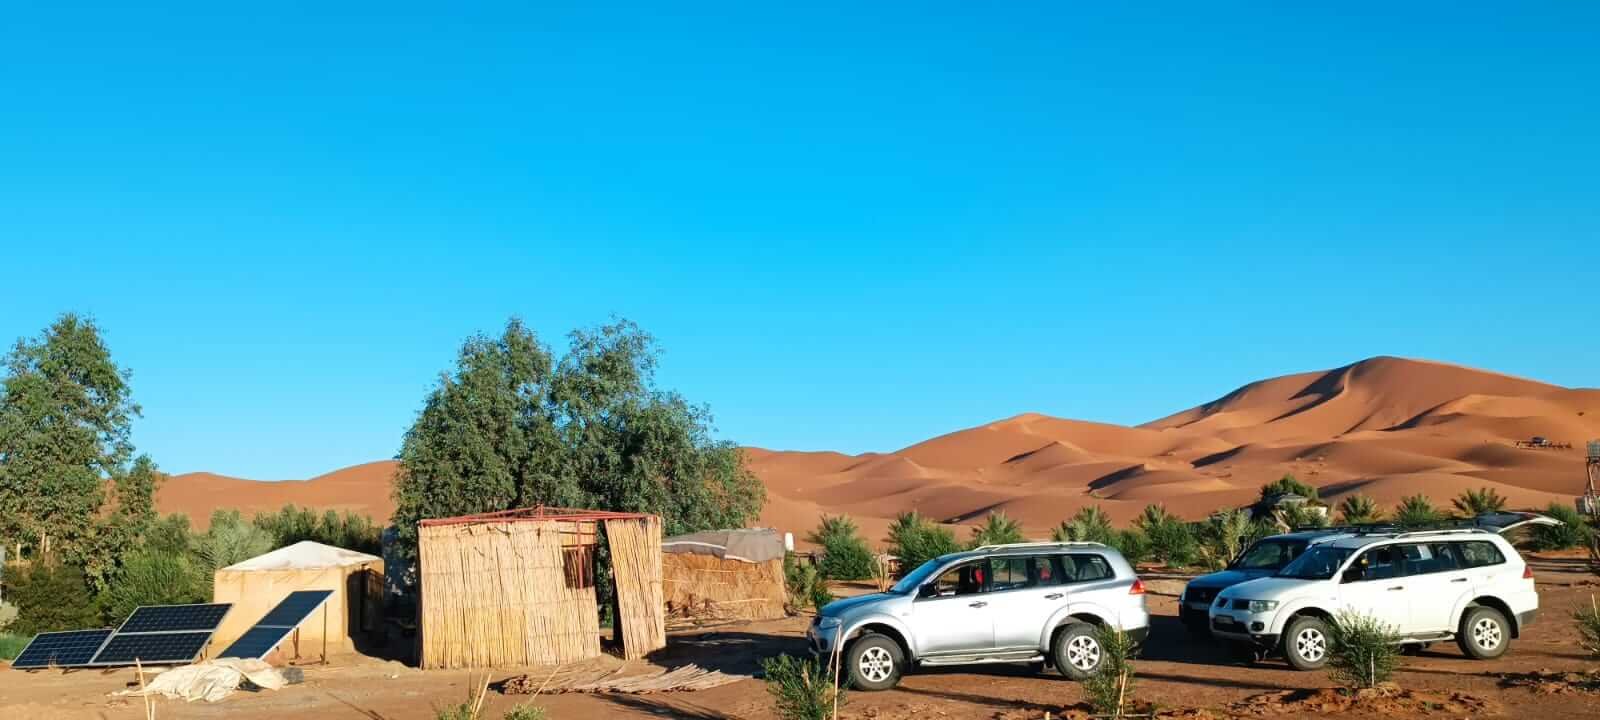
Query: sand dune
[(1385, 427)]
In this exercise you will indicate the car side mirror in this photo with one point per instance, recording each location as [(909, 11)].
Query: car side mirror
[(928, 591), (1352, 575)]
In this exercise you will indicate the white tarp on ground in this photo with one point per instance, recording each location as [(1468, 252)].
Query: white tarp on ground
[(304, 555), (211, 680)]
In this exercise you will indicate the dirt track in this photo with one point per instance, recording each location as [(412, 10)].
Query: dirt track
[(1176, 673)]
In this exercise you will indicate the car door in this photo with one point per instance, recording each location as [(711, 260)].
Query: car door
[(1435, 581), (1487, 569), (1374, 585), (1024, 592), (951, 615)]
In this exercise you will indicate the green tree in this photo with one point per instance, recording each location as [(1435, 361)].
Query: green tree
[(1223, 536), (915, 540), (1170, 540), (1416, 511), (50, 597), (1359, 510), (513, 426), (845, 555), (291, 524), (1472, 503), (70, 485), (1288, 485), (151, 577), (997, 529), (1089, 524), (229, 539)]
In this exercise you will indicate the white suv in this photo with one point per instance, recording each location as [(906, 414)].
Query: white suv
[(1466, 584)]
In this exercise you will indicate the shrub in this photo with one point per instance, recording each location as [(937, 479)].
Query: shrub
[(1588, 622), (1170, 540), (1472, 503), (1223, 537), (1362, 650), (1359, 510), (915, 540), (845, 555), (801, 689), (804, 584), (1110, 690), (171, 535), (291, 524), (525, 711), (1089, 524), (11, 645), (1132, 544), (51, 597), (229, 540), (1287, 485), (1572, 532), (149, 577), (997, 529), (1416, 511)]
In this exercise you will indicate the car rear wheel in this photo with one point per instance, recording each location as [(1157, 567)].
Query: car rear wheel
[(1077, 652), (875, 662), (1305, 643), (1484, 633)]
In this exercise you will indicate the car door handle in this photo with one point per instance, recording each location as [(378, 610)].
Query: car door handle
[(1054, 596), (1459, 580), (977, 604), (1397, 587)]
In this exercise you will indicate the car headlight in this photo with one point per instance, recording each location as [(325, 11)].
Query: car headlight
[(1261, 606), (829, 623)]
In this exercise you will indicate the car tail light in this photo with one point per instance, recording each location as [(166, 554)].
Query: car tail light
[(1527, 572), (1138, 587)]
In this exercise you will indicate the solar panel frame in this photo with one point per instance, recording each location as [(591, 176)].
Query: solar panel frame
[(174, 618), (81, 643), (153, 648), (277, 624)]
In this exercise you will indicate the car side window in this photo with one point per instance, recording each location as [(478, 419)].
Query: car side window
[(1008, 573), (963, 579), (1477, 553), (1382, 563), (1086, 568), (1047, 571), (1427, 558)]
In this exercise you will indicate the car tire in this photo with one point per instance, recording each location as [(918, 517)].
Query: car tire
[(1077, 652), (875, 662), (1484, 634), (1305, 643)]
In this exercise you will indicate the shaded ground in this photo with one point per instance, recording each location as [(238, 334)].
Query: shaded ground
[(1176, 673)]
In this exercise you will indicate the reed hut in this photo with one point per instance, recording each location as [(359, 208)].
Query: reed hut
[(724, 575), (518, 587)]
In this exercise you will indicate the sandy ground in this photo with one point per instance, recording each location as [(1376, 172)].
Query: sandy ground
[(1175, 672)]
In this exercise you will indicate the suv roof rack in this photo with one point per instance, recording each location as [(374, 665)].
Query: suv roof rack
[(1446, 531), (1064, 543)]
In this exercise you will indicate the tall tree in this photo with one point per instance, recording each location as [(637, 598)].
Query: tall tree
[(513, 426), (70, 486)]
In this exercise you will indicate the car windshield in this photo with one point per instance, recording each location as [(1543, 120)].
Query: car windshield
[(909, 583), (1268, 555), (1318, 563)]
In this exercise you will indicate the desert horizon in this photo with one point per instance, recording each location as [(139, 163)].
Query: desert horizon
[(1385, 427)]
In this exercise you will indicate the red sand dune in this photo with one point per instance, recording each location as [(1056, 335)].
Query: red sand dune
[(1385, 427)]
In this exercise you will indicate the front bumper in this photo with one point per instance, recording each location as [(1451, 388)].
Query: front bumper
[(820, 639), (1242, 626)]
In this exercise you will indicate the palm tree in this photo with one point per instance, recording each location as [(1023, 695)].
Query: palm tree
[(1223, 537), (997, 529), (1090, 524), (1473, 503), (1415, 511), (1359, 510)]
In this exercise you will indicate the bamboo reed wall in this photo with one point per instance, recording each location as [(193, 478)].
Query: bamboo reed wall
[(496, 594), (636, 562), (707, 587)]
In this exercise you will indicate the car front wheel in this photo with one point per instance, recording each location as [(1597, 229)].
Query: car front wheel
[(1305, 643), (875, 662), (1484, 633)]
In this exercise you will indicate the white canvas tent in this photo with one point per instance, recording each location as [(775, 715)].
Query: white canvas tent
[(256, 585)]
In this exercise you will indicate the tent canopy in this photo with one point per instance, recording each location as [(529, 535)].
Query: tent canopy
[(304, 555), (756, 545)]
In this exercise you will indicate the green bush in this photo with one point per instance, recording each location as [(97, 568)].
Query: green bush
[(804, 584), (51, 598), (1287, 485), (1362, 650), (845, 555), (1132, 544), (1588, 624), (1222, 537), (150, 577), (1472, 503), (997, 529), (11, 645), (1170, 539), (1416, 511), (525, 711), (1089, 524), (801, 689), (1110, 690), (1359, 510), (914, 540), (1572, 532), (171, 535), (291, 524)]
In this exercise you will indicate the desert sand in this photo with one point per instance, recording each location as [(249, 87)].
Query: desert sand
[(1384, 427)]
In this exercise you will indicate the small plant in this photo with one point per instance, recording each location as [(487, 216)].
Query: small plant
[(845, 555), (1472, 503), (882, 575), (1416, 511), (1359, 510), (804, 584), (1089, 524), (997, 529), (1588, 622), (801, 689), (1110, 689), (1572, 532), (1362, 650), (525, 711), (471, 708)]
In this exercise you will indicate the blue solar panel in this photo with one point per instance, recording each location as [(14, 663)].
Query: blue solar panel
[(61, 649), (175, 618), (276, 625), (256, 642), (166, 647)]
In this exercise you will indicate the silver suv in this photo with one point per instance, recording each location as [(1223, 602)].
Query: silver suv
[(1024, 603)]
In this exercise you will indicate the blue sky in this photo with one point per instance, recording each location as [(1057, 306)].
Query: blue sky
[(850, 228)]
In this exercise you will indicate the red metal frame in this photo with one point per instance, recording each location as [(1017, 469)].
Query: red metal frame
[(540, 513)]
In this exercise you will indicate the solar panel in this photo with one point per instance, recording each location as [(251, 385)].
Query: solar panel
[(164, 647), (175, 618), (276, 625), (61, 649)]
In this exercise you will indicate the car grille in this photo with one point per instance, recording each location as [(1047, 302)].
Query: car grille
[(1201, 595)]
